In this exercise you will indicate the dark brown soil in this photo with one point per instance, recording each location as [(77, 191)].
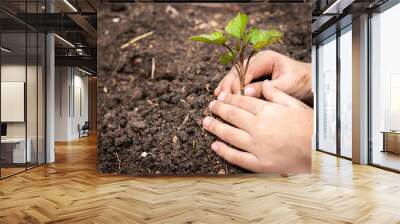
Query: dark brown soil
[(153, 126)]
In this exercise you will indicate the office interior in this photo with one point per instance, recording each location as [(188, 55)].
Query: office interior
[(48, 92), (357, 81), (48, 79), (48, 76)]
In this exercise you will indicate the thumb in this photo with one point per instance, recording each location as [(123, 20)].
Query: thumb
[(275, 95), (253, 89)]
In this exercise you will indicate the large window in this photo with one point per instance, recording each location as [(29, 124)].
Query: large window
[(346, 92), (385, 89), (327, 95), (334, 66)]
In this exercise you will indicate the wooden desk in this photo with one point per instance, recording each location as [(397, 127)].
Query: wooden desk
[(391, 141), (13, 150)]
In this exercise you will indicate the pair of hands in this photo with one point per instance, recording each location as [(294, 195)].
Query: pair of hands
[(274, 134)]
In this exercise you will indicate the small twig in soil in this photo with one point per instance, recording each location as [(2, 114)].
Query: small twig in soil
[(153, 68), (183, 122), (194, 144), (213, 5), (134, 40), (119, 161)]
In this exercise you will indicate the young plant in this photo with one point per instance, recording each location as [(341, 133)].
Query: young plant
[(236, 39)]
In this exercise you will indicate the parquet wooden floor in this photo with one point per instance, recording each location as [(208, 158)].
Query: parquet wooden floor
[(70, 191)]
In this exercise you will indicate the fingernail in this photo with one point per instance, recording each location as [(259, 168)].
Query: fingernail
[(214, 146), (206, 121), (212, 104), (221, 96), (249, 91)]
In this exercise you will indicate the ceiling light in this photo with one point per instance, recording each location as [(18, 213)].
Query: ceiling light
[(337, 7), (65, 41), (84, 71), (70, 5), (5, 50)]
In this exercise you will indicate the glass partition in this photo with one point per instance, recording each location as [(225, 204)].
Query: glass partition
[(327, 95), (22, 78), (14, 151)]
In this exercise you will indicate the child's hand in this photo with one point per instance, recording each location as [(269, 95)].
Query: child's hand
[(275, 135), (288, 75)]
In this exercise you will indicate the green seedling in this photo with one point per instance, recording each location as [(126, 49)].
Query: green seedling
[(236, 39)]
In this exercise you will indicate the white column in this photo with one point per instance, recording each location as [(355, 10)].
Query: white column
[(50, 99), (50, 93)]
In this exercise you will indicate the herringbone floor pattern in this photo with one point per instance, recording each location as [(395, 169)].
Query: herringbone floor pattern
[(70, 191)]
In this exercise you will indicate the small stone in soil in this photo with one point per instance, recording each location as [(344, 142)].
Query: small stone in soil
[(116, 20), (175, 99), (183, 136), (221, 171), (144, 154), (138, 124), (174, 139)]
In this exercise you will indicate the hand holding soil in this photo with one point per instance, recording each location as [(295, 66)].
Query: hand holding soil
[(275, 135), (288, 75)]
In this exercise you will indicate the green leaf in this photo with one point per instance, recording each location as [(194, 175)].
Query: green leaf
[(217, 38), (226, 58), (262, 38), (237, 26)]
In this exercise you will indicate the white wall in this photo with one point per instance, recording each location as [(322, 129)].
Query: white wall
[(12, 73), (9, 73), (62, 81), (80, 84), (33, 126), (70, 83)]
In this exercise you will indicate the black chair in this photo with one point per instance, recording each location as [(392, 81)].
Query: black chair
[(84, 130)]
